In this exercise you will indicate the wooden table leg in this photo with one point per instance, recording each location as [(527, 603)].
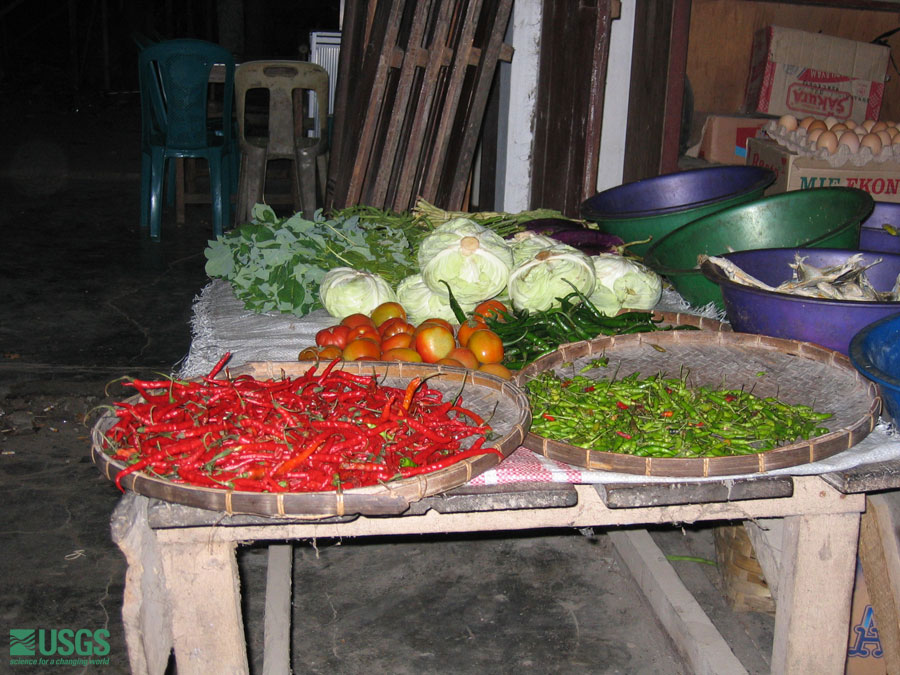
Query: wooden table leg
[(204, 593), (815, 588), (145, 607)]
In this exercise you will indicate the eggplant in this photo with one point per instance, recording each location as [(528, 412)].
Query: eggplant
[(592, 242), (548, 226)]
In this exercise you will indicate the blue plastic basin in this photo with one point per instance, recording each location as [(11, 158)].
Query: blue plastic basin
[(873, 236), (875, 351)]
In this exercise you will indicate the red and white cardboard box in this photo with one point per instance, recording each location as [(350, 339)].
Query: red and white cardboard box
[(801, 73)]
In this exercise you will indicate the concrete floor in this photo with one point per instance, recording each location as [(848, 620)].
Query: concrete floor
[(87, 298)]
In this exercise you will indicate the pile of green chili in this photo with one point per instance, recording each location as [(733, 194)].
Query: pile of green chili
[(664, 417), (528, 336)]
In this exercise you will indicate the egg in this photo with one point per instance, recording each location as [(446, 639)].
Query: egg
[(814, 136), (830, 121), (850, 139), (789, 122), (816, 124), (878, 126), (839, 127), (868, 124), (890, 124), (884, 136), (850, 124), (829, 141), (806, 121), (892, 132), (872, 142)]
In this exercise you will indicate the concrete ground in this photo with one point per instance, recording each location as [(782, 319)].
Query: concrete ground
[(87, 298)]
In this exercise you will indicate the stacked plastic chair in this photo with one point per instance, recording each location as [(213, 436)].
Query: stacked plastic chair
[(175, 123), (288, 84)]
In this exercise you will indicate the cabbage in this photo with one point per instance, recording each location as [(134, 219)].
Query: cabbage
[(474, 260), (632, 284), (421, 303), (538, 283), (346, 291), (526, 245)]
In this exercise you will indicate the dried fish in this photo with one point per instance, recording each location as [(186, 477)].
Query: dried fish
[(845, 281)]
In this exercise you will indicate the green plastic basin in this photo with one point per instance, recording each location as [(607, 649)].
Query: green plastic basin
[(826, 217), (653, 207)]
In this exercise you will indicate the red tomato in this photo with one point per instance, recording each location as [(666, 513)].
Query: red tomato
[(398, 340), (309, 354), (434, 342), (490, 308), (497, 369), (336, 335), (486, 345), (362, 348), (467, 328), (401, 354), (388, 310), (357, 319), (394, 326), (363, 331), (465, 356), (441, 322)]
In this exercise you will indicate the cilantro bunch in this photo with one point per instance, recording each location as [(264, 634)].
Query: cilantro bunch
[(277, 264)]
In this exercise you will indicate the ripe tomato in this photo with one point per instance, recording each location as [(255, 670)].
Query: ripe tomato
[(330, 353), (434, 342), (362, 348), (447, 361), (441, 322), (309, 354), (490, 308), (486, 345), (363, 331), (388, 310), (394, 326), (467, 328), (401, 354), (336, 335), (357, 319), (465, 356), (398, 340), (497, 369)]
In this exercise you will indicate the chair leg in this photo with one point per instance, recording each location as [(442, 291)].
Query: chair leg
[(218, 174), (251, 184), (158, 164), (146, 171), (306, 177)]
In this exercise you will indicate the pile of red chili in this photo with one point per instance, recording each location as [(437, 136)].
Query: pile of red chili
[(308, 433)]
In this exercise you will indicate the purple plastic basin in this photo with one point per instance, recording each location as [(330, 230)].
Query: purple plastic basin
[(830, 323), (875, 351), (873, 236)]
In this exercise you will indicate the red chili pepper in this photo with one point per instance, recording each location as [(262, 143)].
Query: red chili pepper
[(667, 413), (548, 417), (623, 434), (410, 392), (621, 406)]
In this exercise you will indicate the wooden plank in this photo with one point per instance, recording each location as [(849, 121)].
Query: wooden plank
[(866, 478), (694, 635), (628, 495), (880, 557), (819, 556), (277, 624), (455, 181), (766, 536)]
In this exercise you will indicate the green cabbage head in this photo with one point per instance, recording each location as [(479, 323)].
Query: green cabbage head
[(537, 284), (345, 291)]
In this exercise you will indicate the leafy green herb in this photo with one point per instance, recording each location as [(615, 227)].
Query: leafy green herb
[(277, 264)]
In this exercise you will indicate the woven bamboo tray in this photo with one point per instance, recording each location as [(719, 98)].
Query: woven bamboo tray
[(795, 372), (498, 400)]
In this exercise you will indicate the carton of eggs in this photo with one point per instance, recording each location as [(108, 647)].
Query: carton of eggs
[(832, 136)]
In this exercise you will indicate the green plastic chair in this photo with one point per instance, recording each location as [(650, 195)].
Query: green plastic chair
[(175, 122)]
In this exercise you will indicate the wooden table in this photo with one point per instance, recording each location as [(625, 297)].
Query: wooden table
[(182, 586)]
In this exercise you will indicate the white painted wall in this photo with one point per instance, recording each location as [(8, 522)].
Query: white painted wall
[(518, 86)]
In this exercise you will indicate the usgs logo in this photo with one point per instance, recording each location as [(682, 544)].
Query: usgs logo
[(29, 646)]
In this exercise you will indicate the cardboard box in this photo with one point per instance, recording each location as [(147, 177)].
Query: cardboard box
[(864, 653), (725, 137), (802, 73), (795, 172)]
